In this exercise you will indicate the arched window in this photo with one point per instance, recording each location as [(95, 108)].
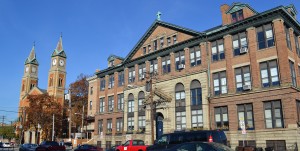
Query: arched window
[(179, 95), (130, 120), (196, 104), (141, 99), (60, 81), (180, 107), (196, 93), (130, 103)]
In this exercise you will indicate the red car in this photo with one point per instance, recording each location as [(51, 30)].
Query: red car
[(132, 145), (87, 147)]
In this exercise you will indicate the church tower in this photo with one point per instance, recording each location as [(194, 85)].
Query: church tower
[(30, 77), (57, 73)]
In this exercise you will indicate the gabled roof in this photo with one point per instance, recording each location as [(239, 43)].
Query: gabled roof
[(41, 91), (293, 8), (59, 50), (153, 27), (112, 57), (32, 57), (238, 6)]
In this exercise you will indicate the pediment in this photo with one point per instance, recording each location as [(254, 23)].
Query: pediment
[(238, 6), (157, 31)]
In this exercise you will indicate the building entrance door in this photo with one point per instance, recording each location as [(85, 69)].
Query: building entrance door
[(159, 125)]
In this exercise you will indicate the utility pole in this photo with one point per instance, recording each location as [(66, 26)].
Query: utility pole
[(70, 115), (53, 129), (151, 110)]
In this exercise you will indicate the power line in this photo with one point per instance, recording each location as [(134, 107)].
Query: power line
[(9, 111)]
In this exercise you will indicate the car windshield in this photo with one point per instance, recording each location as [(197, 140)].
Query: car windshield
[(68, 144)]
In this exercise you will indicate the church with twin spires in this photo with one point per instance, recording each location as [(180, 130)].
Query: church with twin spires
[(55, 86)]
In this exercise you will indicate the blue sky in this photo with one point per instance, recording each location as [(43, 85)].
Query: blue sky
[(92, 30)]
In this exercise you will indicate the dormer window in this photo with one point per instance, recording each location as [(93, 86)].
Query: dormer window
[(237, 16), (111, 63)]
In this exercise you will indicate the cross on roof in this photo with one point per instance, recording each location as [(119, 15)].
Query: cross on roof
[(158, 15)]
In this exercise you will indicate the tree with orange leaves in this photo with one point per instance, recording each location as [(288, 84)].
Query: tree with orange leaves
[(40, 111)]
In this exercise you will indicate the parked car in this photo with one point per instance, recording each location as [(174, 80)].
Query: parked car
[(132, 145), (87, 147), (28, 147), (198, 146), (50, 146), (6, 145), (167, 141), (113, 148), (68, 145)]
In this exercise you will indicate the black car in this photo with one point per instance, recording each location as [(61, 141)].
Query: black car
[(87, 147), (113, 148), (28, 147), (167, 141), (198, 146)]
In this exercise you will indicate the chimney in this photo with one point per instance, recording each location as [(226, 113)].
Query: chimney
[(97, 70), (225, 18)]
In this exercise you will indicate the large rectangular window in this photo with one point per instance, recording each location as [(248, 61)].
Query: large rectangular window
[(131, 74), (142, 124), (217, 50), (102, 84), (161, 42), (239, 42), (297, 44), (180, 98), (121, 78), (287, 37), (168, 41), (195, 56), (166, 64), (142, 71), (196, 96), (179, 60), (245, 113), (293, 73), (237, 16), (111, 83), (174, 39), (119, 125), (130, 123), (298, 110), (109, 126), (269, 73), (120, 102), (100, 127), (221, 118), (102, 105), (273, 114), (108, 144), (242, 78), (180, 121), (220, 83), (153, 67), (155, 45), (197, 119), (110, 103), (265, 36), (91, 90), (130, 106)]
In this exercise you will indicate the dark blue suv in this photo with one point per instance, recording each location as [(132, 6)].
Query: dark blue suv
[(169, 140)]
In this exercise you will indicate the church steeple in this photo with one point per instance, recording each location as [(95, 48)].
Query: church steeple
[(32, 57), (59, 50), (57, 72), (30, 77)]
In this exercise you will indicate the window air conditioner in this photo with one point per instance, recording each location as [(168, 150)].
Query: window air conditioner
[(111, 109), (246, 87), (109, 86), (180, 66), (244, 50)]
